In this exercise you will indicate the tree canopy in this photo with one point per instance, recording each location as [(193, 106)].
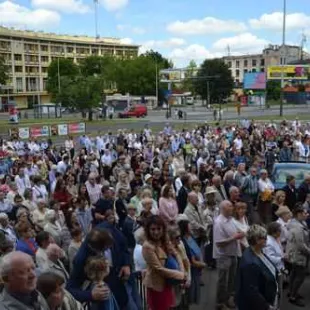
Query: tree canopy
[(136, 76), (220, 80), (3, 71)]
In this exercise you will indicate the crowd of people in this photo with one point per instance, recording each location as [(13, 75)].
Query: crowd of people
[(132, 221)]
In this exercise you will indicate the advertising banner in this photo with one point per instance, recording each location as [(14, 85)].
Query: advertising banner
[(290, 72), (20, 133), (169, 76), (39, 131), (254, 80), (76, 128), (59, 130)]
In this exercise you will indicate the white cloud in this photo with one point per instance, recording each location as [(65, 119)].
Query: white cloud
[(129, 28), (13, 14), (126, 41), (164, 44), (207, 25), (243, 43), (66, 6), (114, 5), (274, 21), (194, 51)]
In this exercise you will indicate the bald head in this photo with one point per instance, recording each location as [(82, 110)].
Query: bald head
[(226, 208), (216, 180), (18, 272), (193, 198)]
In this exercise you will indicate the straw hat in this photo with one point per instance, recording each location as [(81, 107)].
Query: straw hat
[(210, 190), (282, 210)]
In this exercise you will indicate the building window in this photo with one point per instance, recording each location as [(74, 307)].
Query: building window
[(44, 48), (262, 69), (17, 57), (19, 84), (70, 49), (245, 63), (245, 71), (44, 84), (44, 58), (237, 64), (44, 69), (254, 70), (262, 62), (18, 69), (237, 73), (229, 64), (254, 63)]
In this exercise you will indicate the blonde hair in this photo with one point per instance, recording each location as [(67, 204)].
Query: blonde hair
[(96, 268), (277, 196)]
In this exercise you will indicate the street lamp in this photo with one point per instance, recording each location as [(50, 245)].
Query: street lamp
[(283, 57)]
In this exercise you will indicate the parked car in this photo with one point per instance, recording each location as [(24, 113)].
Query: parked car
[(281, 170), (135, 111)]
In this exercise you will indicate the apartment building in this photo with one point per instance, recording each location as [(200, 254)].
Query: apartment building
[(271, 56), (28, 55)]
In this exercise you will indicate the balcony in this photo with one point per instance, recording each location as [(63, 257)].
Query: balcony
[(31, 51)]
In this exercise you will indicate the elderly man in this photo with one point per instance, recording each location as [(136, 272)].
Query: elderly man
[(93, 189), (196, 219), (54, 254), (19, 293), (7, 229), (220, 194), (226, 250), (234, 195)]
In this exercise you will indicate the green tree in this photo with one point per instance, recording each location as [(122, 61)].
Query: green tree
[(273, 90), (189, 82), (158, 58), (217, 74), (63, 71), (3, 71)]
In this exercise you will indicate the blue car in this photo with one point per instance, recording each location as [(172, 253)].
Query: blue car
[(281, 170)]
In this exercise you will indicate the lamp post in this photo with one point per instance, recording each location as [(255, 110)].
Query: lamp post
[(283, 57)]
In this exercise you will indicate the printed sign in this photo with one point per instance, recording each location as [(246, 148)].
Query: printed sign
[(298, 72), (23, 133), (62, 129), (76, 128), (39, 131), (254, 80)]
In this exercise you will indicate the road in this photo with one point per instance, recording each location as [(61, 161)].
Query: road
[(208, 293)]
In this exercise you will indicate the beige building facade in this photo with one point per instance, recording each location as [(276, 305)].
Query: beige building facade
[(28, 55), (271, 56)]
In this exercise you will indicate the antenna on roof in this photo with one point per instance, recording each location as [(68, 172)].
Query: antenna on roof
[(228, 50)]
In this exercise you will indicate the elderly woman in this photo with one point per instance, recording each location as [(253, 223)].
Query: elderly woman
[(52, 226), (298, 253), (278, 201), (257, 277), (284, 215), (38, 214), (28, 202), (123, 183), (266, 189)]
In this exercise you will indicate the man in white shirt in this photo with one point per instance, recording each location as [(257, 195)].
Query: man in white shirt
[(22, 181), (226, 250), (63, 165), (238, 143), (93, 189)]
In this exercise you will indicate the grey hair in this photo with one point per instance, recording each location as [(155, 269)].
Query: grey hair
[(50, 215), (139, 235), (223, 204), (6, 262), (233, 188), (255, 233), (228, 174), (146, 200)]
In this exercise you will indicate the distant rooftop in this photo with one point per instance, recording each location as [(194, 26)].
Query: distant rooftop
[(40, 35)]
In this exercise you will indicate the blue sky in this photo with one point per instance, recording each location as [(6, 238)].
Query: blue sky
[(180, 29)]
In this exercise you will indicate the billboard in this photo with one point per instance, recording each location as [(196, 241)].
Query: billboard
[(76, 128), (290, 72), (172, 75), (39, 131), (254, 80)]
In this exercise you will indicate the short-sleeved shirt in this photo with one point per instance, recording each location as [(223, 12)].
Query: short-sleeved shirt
[(224, 229)]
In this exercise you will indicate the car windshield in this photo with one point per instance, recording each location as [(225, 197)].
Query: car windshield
[(299, 174)]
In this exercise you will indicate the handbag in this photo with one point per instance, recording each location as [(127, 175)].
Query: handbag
[(172, 263)]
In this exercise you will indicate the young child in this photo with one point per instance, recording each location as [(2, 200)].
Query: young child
[(97, 269)]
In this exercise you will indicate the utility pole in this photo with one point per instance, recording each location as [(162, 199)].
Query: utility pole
[(302, 45), (283, 57), (156, 77), (96, 19)]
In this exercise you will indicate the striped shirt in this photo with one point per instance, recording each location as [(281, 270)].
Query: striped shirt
[(250, 185)]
